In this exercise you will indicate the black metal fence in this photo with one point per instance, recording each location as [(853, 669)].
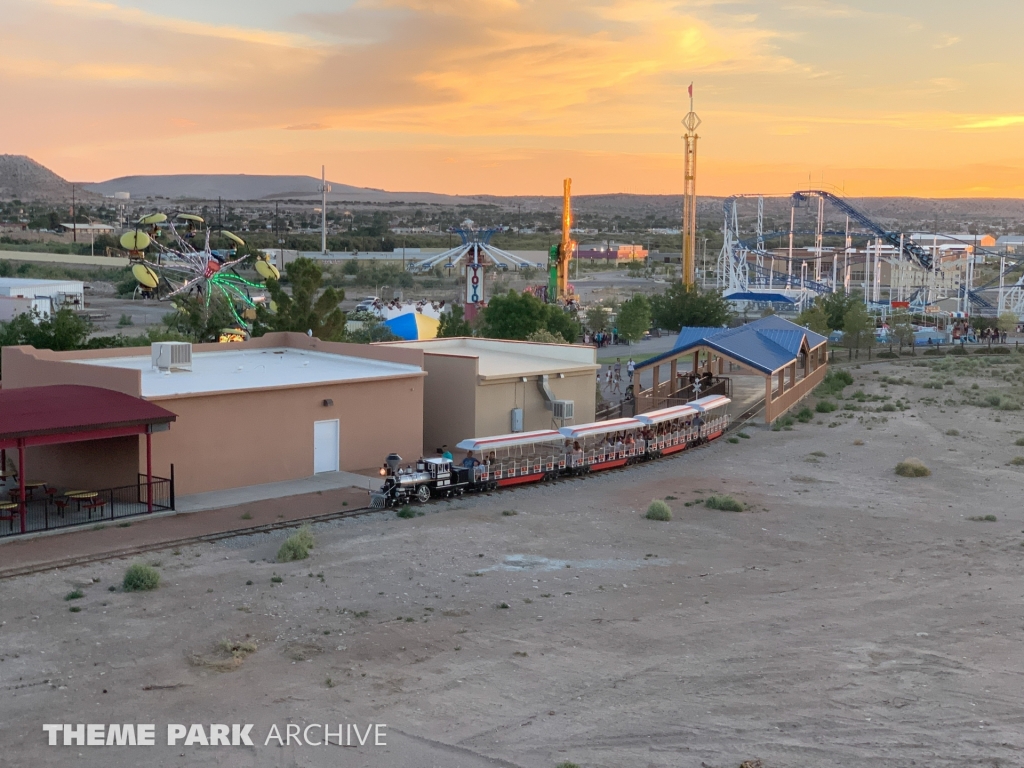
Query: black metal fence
[(46, 511)]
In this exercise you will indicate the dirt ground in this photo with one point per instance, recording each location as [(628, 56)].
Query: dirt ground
[(848, 617)]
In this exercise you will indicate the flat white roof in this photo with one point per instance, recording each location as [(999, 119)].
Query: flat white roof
[(241, 369), (499, 358), (30, 282)]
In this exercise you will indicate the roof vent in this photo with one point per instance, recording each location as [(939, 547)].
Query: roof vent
[(172, 356)]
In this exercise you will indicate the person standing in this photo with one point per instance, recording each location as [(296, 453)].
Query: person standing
[(608, 378), (618, 368), (617, 383), (630, 367)]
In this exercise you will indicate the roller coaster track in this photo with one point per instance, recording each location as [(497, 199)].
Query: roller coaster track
[(736, 249), (910, 249)]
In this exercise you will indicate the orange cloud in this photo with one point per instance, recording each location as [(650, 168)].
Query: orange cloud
[(509, 96)]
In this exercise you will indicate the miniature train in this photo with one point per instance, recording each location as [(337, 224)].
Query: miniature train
[(533, 457)]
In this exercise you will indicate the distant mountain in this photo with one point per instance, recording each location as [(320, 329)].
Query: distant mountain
[(241, 186), (23, 178)]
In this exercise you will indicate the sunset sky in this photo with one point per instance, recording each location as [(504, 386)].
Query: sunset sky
[(875, 97)]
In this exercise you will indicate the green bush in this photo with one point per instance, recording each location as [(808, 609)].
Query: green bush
[(958, 350), (984, 518), (296, 546), (1019, 441), (804, 415), (825, 406), (912, 468), (834, 383), (783, 422), (1016, 461), (140, 578), (75, 594), (406, 512), (659, 510), (724, 502)]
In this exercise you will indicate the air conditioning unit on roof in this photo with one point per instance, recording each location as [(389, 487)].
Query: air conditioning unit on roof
[(172, 356)]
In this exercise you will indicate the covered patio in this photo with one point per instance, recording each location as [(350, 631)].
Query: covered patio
[(791, 360), (69, 455)]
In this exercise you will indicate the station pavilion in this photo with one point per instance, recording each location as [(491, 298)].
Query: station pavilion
[(791, 359)]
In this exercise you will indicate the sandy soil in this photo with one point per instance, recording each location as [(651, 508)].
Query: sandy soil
[(849, 617)]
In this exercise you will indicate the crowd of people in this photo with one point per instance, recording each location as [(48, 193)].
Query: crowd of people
[(613, 380), (964, 332)]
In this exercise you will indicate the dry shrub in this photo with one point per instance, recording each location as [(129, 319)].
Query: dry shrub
[(140, 578), (296, 546), (659, 510), (226, 656), (912, 468), (724, 502)]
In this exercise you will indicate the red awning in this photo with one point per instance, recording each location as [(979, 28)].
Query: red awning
[(68, 413)]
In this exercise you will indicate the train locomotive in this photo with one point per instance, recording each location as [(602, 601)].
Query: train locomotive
[(531, 457)]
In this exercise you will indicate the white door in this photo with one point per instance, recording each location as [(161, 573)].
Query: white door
[(326, 444)]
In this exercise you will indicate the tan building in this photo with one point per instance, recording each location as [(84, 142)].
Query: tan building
[(280, 407), (482, 387)]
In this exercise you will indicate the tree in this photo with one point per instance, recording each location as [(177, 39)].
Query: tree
[(513, 316), (682, 307), (61, 331), (198, 320), (596, 318), (372, 332), (517, 315), (902, 329), (814, 318), (634, 318), (544, 336), (858, 328), (1007, 322), (561, 323), (302, 310), (454, 323), (836, 305)]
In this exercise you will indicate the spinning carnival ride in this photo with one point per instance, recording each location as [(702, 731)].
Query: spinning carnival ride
[(180, 269)]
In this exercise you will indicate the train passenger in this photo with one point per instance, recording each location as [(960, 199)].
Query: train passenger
[(470, 461), (446, 454)]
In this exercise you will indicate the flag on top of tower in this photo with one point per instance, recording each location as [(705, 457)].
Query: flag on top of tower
[(690, 89)]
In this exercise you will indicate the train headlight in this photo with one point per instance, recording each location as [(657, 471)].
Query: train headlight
[(383, 471)]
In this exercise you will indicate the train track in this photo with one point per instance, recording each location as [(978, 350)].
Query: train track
[(206, 538), (70, 562)]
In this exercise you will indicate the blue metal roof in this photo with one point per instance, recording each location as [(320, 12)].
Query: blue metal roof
[(766, 344)]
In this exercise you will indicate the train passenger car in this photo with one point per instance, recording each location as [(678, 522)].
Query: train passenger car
[(670, 430), (603, 444), (530, 457), (713, 415), (523, 457)]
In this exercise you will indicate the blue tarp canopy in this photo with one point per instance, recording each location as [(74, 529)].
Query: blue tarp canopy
[(774, 298)]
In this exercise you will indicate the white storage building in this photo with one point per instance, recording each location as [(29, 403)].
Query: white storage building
[(47, 295)]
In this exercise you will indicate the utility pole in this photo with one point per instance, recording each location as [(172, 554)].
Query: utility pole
[(74, 223), (691, 122), (324, 189)]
